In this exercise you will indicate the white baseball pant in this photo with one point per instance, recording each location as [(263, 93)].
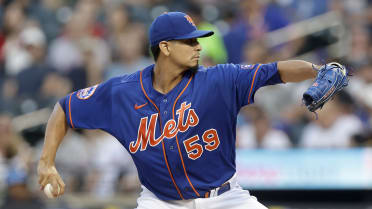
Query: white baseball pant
[(235, 198)]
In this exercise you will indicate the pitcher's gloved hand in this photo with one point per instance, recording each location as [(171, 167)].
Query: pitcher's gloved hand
[(332, 77)]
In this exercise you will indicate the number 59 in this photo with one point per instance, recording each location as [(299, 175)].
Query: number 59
[(195, 150)]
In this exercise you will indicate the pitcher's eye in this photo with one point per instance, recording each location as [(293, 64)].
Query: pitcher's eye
[(192, 42)]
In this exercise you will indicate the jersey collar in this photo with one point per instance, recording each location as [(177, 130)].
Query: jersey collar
[(147, 75)]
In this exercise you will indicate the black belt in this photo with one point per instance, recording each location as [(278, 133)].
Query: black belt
[(220, 190)]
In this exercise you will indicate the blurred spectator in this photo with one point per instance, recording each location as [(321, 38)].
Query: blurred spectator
[(368, 13), (303, 9), (112, 167), (335, 127), (259, 133), (130, 53), (18, 194), (38, 85), (360, 83), (255, 52), (46, 12), (66, 46), (360, 45), (351, 11), (255, 19), (72, 160), (14, 152), (30, 78), (53, 88), (117, 23), (84, 51), (13, 148), (16, 57), (9, 100), (125, 38), (95, 162)]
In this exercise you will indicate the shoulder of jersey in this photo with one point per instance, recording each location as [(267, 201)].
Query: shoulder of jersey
[(86, 93), (203, 69), (215, 67), (237, 66), (124, 79)]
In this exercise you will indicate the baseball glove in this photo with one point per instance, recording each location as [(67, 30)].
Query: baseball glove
[(331, 78)]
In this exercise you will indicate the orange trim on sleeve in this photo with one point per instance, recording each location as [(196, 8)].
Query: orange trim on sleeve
[(69, 111), (165, 156), (178, 146), (254, 77)]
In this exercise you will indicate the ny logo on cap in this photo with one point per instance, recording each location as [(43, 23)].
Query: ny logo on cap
[(188, 18)]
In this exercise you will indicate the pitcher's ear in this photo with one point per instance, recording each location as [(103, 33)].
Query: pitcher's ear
[(164, 47)]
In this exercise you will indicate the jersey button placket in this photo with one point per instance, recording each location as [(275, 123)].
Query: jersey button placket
[(172, 151), (165, 100)]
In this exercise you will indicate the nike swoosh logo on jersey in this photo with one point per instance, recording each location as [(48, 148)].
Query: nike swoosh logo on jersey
[(139, 106)]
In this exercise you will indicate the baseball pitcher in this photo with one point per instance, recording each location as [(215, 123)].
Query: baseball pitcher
[(178, 119)]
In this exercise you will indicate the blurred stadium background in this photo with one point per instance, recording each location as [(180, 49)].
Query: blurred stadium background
[(286, 158)]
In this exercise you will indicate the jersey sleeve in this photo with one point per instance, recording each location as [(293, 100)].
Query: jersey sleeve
[(89, 108), (247, 79)]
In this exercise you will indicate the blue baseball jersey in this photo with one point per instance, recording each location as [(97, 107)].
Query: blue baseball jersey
[(182, 142)]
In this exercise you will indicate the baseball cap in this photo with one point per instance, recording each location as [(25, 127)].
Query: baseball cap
[(174, 26)]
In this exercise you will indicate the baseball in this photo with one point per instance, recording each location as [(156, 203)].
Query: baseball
[(48, 191)]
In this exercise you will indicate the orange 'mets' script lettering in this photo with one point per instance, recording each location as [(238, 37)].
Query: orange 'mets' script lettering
[(146, 129)]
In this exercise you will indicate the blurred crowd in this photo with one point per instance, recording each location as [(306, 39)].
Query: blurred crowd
[(49, 48)]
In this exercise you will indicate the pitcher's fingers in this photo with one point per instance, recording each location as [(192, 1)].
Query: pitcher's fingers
[(43, 182), (61, 186), (41, 178), (55, 186)]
